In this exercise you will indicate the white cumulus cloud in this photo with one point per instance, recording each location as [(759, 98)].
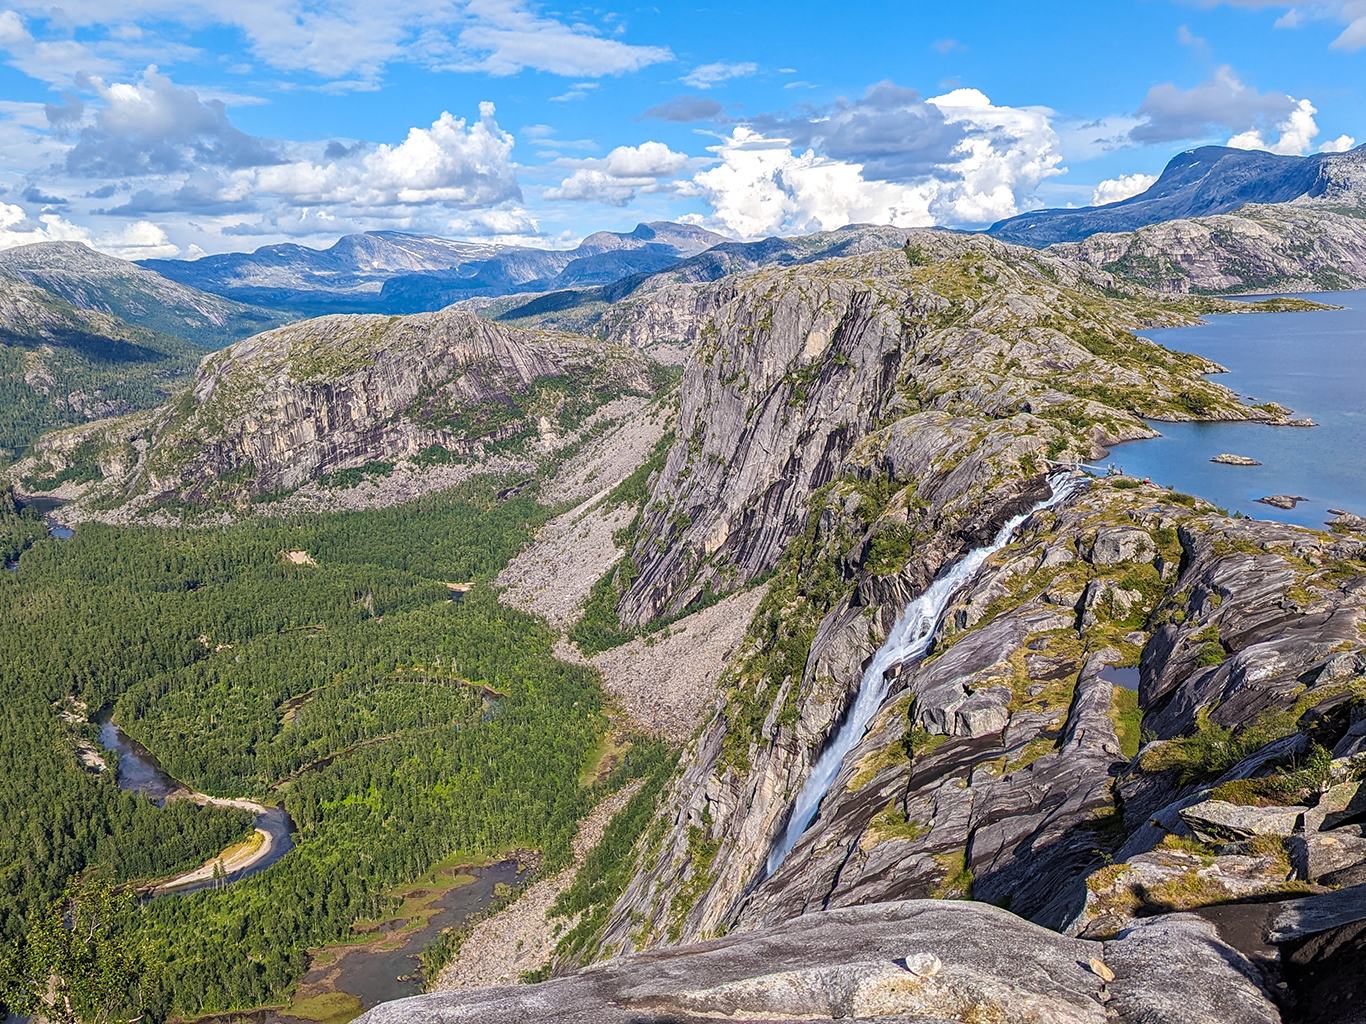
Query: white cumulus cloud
[(1339, 145), (1004, 155), (622, 174), (1114, 190), (1294, 135), (451, 162), (761, 187), (153, 126), (890, 158)]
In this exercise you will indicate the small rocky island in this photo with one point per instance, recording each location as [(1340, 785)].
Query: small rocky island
[(1226, 459)]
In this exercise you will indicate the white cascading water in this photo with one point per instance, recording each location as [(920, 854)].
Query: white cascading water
[(907, 644)]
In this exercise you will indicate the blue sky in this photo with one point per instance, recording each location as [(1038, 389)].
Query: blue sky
[(175, 127)]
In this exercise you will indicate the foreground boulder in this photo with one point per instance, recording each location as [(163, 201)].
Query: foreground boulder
[(1219, 820), (918, 960)]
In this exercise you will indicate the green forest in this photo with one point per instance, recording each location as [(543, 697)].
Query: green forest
[(398, 723)]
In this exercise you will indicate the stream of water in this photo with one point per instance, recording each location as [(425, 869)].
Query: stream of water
[(907, 644), (55, 529), (140, 772)]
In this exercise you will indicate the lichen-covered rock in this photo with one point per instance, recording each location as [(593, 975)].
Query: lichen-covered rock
[(1235, 644), (922, 806), (915, 961), (1172, 878), (1220, 821), (1339, 804), (1329, 857), (1121, 544)]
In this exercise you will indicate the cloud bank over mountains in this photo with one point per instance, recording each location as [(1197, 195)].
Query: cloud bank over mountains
[(1169, 114), (123, 154), (889, 157)]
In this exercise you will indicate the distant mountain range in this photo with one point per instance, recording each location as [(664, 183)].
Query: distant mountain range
[(387, 271), (392, 272), (619, 309), (1199, 183), (84, 335), (91, 280)]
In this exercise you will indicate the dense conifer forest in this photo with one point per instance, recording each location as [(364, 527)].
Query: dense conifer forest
[(398, 722)]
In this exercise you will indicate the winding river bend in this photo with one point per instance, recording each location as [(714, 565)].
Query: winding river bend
[(907, 644), (383, 969), (140, 772)]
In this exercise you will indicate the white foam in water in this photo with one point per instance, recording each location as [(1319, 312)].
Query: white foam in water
[(907, 644)]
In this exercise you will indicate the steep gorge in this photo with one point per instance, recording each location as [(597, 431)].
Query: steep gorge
[(848, 431)]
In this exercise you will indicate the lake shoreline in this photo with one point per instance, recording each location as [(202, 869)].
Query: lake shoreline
[(1314, 364)]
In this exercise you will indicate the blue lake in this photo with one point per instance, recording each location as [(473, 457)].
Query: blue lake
[(1315, 363)]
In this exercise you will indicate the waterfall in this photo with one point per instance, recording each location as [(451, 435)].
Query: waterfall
[(907, 644)]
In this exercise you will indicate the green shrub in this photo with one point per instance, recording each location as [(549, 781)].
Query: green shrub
[(1213, 749)]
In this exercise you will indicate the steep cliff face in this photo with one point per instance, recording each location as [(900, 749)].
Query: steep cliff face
[(358, 393), (847, 430), (1318, 246), (1006, 766), (962, 364)]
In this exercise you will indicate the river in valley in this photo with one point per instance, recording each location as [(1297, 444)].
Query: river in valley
[(140, 771), (55, 529), (383, 969), (389, 968), (1315, 363)]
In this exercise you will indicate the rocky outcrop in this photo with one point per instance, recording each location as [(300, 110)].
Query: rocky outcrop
[(1296, 247), (1262, 616), (359, 394), (917, 961), (1004, 767), (962, 370), (1216, 821)]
